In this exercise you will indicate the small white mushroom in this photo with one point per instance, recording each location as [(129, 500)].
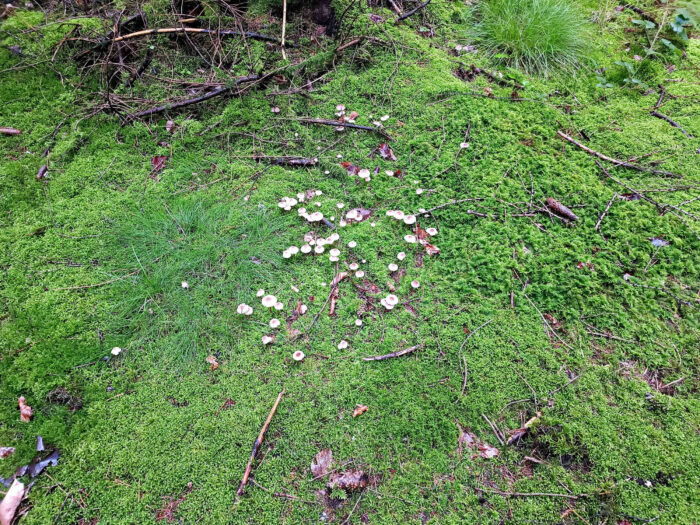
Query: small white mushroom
[(116, 350), (415, 284), (409, 219), (303, 309), (305, 248), (342, 345), (393, 267), (298, 355), (359, 274), (411, 239), (399, 215), (260, 293), (279, 306), (358, 322), (274, 323), (401, 256), (293, 250), (392, 299), (431, 231), (333, 258), (269, 301), (335, 252), (353, 266), (185, 285), (319, 250), (352, 244), (419, 191), (340, 205), (266, 339)]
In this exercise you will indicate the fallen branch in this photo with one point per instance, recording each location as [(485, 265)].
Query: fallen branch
[(671, 121), (289, 161), (393, 354), (527, 494), (605, 212), (413, 11), (337, 123), (10, 131), (257, 444), (616, 161), (190, 101)]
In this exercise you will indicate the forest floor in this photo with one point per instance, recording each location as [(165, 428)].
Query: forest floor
[(590, 326)]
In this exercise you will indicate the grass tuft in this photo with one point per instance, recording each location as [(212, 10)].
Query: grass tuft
[(537, 36)]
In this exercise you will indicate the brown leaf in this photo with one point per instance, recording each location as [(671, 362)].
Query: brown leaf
[(214, 364), (350, 480), (10, 131), (334, 291), (6, 451), (168, 511), (321, 464), (41, 174), (25, 411), (170, 126), (339, 277), (10, 503), (359, 409), (158, 162), (466, 438), (423, 237), (350, 168), (386, 151)]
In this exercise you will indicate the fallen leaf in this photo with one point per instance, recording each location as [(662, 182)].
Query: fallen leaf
[(376, 18), (423, 236), (466, 438), (41, 174), (214, 364), (321, 464), (359, 409), (386, 151), (170, 508), (170, 126), (334, 291), (6, 451), (350, 480), (350, 168), (158, 162), (10, 503), (25, 411)]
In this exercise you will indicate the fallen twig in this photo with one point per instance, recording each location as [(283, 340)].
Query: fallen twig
[(527, 494), (413, 11), (289, 161), (257, 444), (282, 494), (337, 123), (190, 101), (615, 161), (398, 353), (495, 429), (605, 212), (671, 121)]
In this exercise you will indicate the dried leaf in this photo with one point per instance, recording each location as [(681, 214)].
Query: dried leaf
[(41, 174), (158, 162), (321, 464), (214, 364), (376, 18), (466, 438), (386, 151), (10, 503), (6, 451), (350, 168), (339, 277), (561, 210), (170, 126), (359, 409), (423, 236), (350, 480), (25, 411)]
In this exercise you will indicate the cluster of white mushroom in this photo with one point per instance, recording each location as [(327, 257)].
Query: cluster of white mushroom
[(287, 203), (389, 301), (244, 309), (401, 216)]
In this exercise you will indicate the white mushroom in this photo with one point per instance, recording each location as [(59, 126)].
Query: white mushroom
[(342, 345), (358, 322), (401, 256), (393, 267), (298, 355), (353, 266), (359, 274), (352, 244), (269, 301), (185, 285), (431, 231), (279, 306), (415, 284), (392, 299), (409, 219), (411, 239), (260, 293), (274, 323), (293, 250), (305, 248), (266, 339), (319, 250), (335, 252), (116, 350)]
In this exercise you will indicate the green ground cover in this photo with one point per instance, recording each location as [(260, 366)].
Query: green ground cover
[(622, 312)]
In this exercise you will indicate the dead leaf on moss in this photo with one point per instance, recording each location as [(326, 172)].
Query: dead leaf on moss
[(359, 409), (10, 503), (321, 464), (25, 411), (158, 162), (6, 451), (349, 480), (214, 364), (471, 441), (386, 152)]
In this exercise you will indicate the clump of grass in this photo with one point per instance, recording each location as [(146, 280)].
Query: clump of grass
[(536, 36)]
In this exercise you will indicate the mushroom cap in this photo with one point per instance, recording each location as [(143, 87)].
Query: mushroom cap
[(431, 231), (298, 355), (305, 248), (303, 309), (411, 239), (274, 323), (319, 249), (279, 306), (392, 299), (335, 252), (342, 345), (363, 173), (358, 322), (354, 266), (116, 350), (401, 256), (342, 223), (352, 244), (340, 205), (242, 308), (269, 301), (415, 284), (393, 267), (286, 254), (266, 339), (248, 310), (409, 219), (333, 258), (399, 215), (260, 293), (293, 250), (359, 274), (419, 191), (185, 285)]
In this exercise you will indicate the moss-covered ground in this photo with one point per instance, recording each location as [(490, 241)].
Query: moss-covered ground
[(621, 314)]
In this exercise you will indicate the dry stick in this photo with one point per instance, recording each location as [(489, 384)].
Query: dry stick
[(282, 494), (284, 27), (528, 494), (671, 121), (494, 428), (464, 380), (616, 161), (257, 444), (338, 123), (190, 101), (605, 212), (413, 11), (393, 354), (546, 323), (170, 30)]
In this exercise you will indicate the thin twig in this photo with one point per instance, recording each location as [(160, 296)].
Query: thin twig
[(413, 11), (605, 212), (399, 353), (672, 122), (495, 429), (337, 123), (528, 494), (257, 444)]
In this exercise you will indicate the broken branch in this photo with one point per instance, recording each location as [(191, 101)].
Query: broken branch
[(671, 121), (392, 354), (413, 11), (257, 444)]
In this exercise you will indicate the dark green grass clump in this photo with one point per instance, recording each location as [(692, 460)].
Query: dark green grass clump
[(533, 35)]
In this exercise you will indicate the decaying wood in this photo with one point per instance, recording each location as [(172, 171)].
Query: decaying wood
[(671, 121), (257, 444), (195, 100), (399, 353), (616, 161), (289, 161), (338, 123), (10, 131), (558, 208), (413, 11)]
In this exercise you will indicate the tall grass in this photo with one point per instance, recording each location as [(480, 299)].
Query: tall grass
[(536, 36)]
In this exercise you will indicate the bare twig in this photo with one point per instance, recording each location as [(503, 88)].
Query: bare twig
[(605, 212), (413, 11), (399, 353), (337, 123), (495, 429), (616, 161), (672, 122), (257, 444), (527, 494)]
